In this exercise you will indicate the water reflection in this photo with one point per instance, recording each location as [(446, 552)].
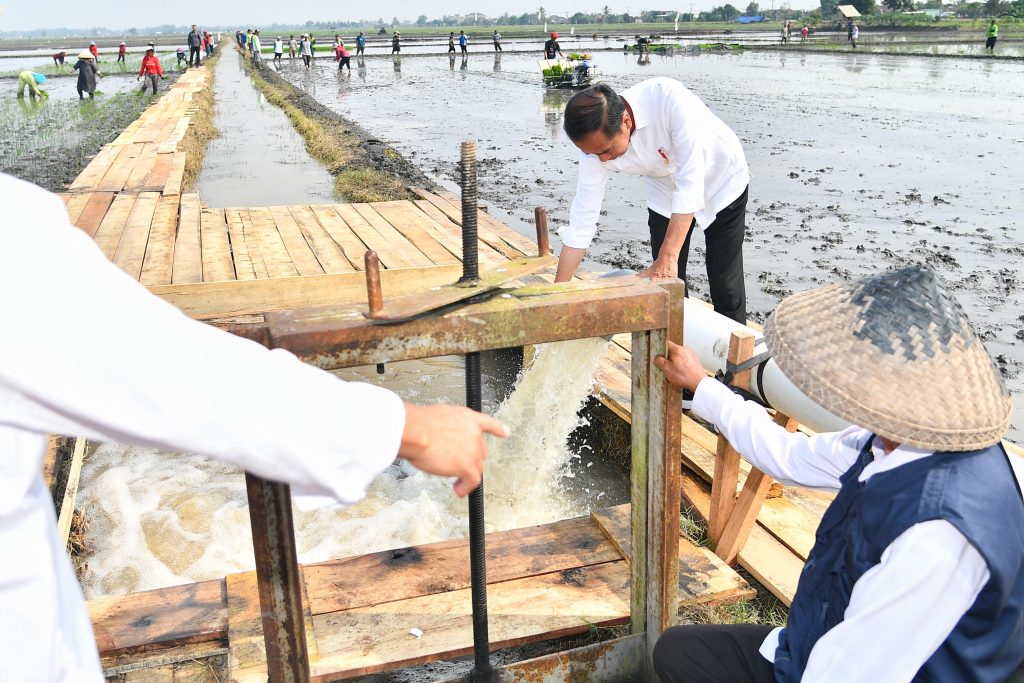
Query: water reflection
[(397, 61), (497, 62)]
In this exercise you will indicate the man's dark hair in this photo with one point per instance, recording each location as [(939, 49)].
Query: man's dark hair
[(596, 108)]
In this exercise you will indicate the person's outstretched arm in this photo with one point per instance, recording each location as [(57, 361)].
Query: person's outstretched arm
[(88, 351), (791, 458)]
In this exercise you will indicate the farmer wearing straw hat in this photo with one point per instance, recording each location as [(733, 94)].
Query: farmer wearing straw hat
[(917, 571), (87, 73), (122, 49), (150, 68), (32, 81)]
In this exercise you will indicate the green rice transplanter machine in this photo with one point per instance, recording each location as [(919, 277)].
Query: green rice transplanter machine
[(483, 312)]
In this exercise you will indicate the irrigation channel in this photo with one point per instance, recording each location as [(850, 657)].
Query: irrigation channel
[(859, 162)]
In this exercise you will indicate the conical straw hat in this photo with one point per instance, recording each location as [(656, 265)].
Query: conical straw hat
[(895, 354)]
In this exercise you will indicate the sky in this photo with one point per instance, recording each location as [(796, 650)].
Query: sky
[(21, 15)]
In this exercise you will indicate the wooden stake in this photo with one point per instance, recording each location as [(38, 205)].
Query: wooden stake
[(727, 460)]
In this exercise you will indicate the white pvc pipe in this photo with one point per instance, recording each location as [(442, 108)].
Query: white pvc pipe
[(707, 333)]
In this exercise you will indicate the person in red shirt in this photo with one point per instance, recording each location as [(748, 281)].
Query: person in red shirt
[(121, 49), (94, 50), (150, 68), (342, 56)]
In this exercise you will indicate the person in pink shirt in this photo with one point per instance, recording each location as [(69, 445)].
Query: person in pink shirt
[(342, 56)]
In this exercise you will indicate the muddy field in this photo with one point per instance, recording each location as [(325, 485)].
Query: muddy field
[(49, 141), (860, 162)]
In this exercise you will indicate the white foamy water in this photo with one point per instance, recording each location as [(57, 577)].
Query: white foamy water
[(159, 519)]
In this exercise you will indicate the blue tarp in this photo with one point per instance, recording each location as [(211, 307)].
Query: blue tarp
[(750, 20)]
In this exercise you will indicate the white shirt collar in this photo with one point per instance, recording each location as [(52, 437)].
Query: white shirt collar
[(883, 463)]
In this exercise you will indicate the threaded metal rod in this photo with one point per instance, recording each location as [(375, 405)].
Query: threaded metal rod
[(470, 258), (477, 550)]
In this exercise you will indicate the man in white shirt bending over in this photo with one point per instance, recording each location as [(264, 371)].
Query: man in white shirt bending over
[(694, 172), (917, 570), (87, 351)]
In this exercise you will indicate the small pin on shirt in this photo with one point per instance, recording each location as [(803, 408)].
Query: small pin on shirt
[(661, 151)]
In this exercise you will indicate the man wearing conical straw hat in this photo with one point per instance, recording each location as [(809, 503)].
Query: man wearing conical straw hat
[(917, 571)]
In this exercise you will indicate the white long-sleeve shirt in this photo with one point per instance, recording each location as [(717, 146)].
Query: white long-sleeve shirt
[(902, 609), (691, 161), (86, 351)]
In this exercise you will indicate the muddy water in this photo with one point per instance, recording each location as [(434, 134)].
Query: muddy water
[(159, 519), (258, 159), (860, 162)]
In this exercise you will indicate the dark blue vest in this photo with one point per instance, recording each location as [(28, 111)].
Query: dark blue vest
[(977, 493)]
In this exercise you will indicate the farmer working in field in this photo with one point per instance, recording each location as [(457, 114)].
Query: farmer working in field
[(146, 374), (694, 172), (917, 571), (32, 81)]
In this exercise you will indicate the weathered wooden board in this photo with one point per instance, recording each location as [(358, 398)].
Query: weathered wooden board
[(703, 576), (372, 639), (269, 244), (112, 226), (298, 250), (188, 252), (209, 300), (158, 266), (328, 253), (131, 249), (190, 613), (95, 209), (439, 567), (217, 263), (346, 239)]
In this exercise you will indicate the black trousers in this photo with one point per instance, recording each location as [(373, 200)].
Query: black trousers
[(713, 653), (724, 260), (193, 56)]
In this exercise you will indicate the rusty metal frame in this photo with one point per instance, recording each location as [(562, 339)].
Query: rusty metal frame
[(336, 337)]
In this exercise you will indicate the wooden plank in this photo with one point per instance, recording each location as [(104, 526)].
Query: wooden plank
[(216, 249), (744, 516), (640, 435), (411, 253), (175, 174), (188, 254), (209, 300), (770, 562), (347, 240), (96, 169), (109, 232), (239, 247), (252, 245), (450, 235), (727, 460), (143, 167), (486, 235), (328, 253), (439, 246), (701, 572), (298, 250), (275, 255), (439, 567), (246, 647), (131, 249), (67, 507), (158, 266), (117, 175), (371, 639), (159, 173), (493, 229), (190, 613), (95, 210), (75, 204), (393, 253), (421, 242)]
